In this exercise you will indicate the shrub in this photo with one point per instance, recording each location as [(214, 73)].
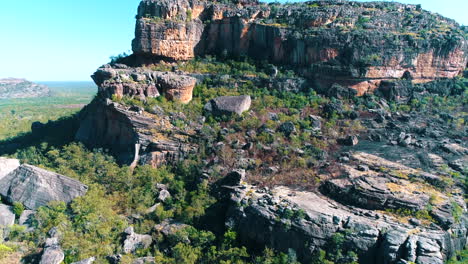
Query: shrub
[(5, 251), (18, 208)]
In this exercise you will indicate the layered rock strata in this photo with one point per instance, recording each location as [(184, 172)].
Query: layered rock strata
[(350, 43), (134, 135), (35, 187), (285, 218), (119, 80)]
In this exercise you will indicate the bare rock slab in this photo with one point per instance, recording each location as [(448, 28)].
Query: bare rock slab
[(7, 217), (228, 105), (35, 187), (53, 253)]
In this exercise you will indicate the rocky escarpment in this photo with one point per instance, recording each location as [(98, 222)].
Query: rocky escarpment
[(285, 218), (21, 88), (120, 80), (350, 43), (134, 135), (388, 189)]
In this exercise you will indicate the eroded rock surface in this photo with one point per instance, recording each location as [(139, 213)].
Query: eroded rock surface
[(7, 217), (53, 253), (229, 105), (135, 136), (135, 241), (357, 45), (375, 236), (35, 187), (86, 261), (120, 80)]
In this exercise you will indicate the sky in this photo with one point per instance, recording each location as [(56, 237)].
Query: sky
[(67, 40)]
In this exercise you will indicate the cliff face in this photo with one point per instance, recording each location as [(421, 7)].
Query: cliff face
[(133, 135), (370, 192), (350, 43)]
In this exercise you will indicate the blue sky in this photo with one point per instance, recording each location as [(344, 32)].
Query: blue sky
[(66, 40)]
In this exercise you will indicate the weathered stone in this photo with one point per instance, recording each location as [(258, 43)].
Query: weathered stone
[(228, 105), (177, 87), (35, 187), (52, 253), (86, 261), (169, 227), (134, 138), (7, 217), (114, 81), (234, 178), (26, 217), (146, 260), (163, 195), (135, 241), (328, 54), (316, 122), (349, 141)]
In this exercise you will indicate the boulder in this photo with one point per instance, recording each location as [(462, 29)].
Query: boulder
[(177, 87), (35, 187), (52, 253), (26, 217), (134, 241), (86, 261), (146, 260), (229, 105), (170, 227), (316, 122), (7, 166), (348, 141), (234, 178), (7, 217)]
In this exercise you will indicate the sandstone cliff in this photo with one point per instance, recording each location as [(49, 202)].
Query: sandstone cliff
[(350, 43), (338, 48)]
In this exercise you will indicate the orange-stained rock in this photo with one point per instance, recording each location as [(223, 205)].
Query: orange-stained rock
[(177, 87), (120, 80), (349, 43)]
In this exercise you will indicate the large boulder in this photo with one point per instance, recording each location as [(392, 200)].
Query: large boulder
[(229, 105), (7, 217), (52, 253), (7, 166), (86, 261), (134, 241), (35, 187)]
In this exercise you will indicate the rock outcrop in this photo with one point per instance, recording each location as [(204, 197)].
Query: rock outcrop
[(120, 80), (134, 241), (133, 135), (287, 219), (357, 45), (86, 261), (35, 187), (228, 105), (53, 253), (21, 88), (7, 217)]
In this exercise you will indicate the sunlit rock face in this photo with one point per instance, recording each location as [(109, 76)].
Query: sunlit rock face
[(350, 43), (121, 80)]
